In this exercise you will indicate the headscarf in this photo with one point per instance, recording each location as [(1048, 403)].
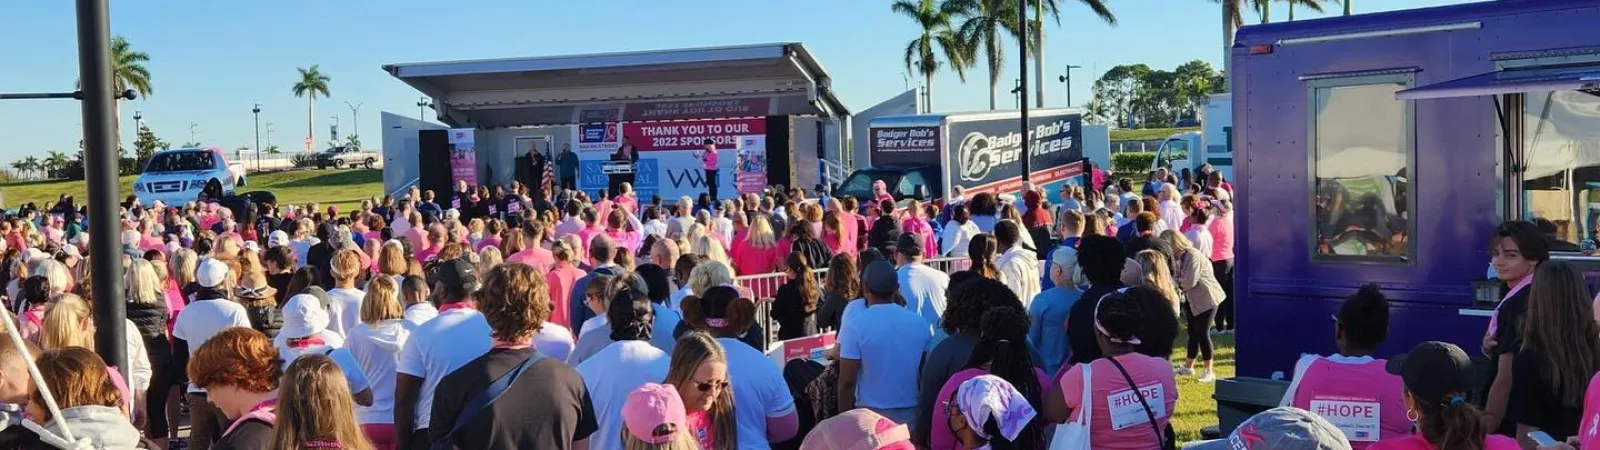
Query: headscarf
[(988, 397)]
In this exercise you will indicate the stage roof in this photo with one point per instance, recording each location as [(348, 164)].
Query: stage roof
[(702, 83)]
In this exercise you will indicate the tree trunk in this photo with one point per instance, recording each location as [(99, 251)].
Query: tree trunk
[(928, 105), (1347, 6), (994, 70), (1038, 51), (1291, 10), (311, 119), (1227, 48)]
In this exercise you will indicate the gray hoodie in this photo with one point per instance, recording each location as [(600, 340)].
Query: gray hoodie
[(101, 427)]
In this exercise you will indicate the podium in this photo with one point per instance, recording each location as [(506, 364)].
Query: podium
[(617, 172)]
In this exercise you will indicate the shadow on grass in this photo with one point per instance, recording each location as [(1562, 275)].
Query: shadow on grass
[(332, 177)]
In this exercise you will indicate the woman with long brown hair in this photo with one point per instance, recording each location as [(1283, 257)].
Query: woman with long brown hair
[(839, 288), (314, 408), (699, 370), (982, 251), (794, 307), (1560, 353)]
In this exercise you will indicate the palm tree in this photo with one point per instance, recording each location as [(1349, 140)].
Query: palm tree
[(127, 73), (1232, 19), (1346, 6), (983, 21), (1314, 5), (54, 161), (32, 164), (1052, 8), (312, 82), (22, 168), (938, 45)]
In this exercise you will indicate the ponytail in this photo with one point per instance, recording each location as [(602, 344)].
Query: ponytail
[(1456, 426)]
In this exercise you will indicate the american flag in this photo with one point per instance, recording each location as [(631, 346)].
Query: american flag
[(549, 179)]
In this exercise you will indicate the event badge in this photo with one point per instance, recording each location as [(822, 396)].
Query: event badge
[(1357, 418), (1126, 411)]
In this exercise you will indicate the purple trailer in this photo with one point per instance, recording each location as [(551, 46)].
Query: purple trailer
[(1385, 147)]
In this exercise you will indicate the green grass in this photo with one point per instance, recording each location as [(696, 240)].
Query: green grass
[(343, 188), (1147, 134), (1196, 409)]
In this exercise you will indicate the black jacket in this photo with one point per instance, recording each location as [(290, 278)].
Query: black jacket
[(151, 321), (885, 232), (265, 317)]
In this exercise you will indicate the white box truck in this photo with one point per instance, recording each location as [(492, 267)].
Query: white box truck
[(1212, 144)]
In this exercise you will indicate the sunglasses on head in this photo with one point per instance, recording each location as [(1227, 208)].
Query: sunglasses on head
[(707, 386)]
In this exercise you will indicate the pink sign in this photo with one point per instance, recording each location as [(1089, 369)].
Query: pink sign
[(698, 109), (809, 347), (692, 134), (463, 156)]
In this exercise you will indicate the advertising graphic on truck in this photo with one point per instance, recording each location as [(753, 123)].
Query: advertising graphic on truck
[(987, 156)]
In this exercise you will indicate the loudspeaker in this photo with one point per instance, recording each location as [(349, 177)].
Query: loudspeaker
[(433, 162)]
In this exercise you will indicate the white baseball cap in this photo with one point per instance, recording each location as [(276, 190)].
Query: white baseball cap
[(211, 273), (277, 238)]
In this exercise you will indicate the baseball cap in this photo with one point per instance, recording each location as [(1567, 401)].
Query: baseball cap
[(858, 429), (909, 244), (277, 238), (654, 413), (211, 273), (1281, 428), (1434, 371), (880, 278), (455, 273)]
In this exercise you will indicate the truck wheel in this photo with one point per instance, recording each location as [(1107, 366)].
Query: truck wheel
[(322, 165), (337, 163), (370, 162)]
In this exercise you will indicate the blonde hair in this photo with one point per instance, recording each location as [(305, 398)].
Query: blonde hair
[(65, 324), (760, 234), (684, 440), (708, 275), (144, 285), (303, 228), (315, 404), (56, 273), (392, 259), (346, 265), (1154, 273), (184, 263), (489, 258), (382, 301), (1180, 243), (712, 249)]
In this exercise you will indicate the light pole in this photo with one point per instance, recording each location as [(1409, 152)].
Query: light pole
[(1068, 80), (100, 175), (906, 79), (1022, 94), (257, 111), (138, 119), (422, 107), (269, 133), (355, 116), (334, 129), (192, 127)]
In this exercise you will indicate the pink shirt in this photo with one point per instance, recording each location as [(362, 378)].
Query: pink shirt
[(426, 254), (561, 279), (1355, 394), (629, 239), (710, 160), (626, 202), (603, 207), (699, 423), (1589, 429), (940, 436), (534, 256), (1415, 442), (1129, 428), (749, 260), (588, 234), (417, 236), (491, 241), (1221, 237)]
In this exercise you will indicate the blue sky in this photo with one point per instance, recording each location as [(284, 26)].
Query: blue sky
[(212, 61)]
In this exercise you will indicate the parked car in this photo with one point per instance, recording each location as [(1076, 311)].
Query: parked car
[(346, 156), (179, 176)]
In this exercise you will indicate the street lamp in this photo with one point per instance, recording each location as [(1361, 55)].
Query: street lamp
[(269, 133), (192, 127), (1016, 94), (1068, 80), (257, 111), (422, 106), (334, 129), (355, 116)]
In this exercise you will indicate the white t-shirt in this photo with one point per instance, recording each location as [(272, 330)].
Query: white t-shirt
[(202, 319), (593, 323), (354, 377), (439, 347), (377, 350), (419, 313), (554, 341), (759, 392), (923, 288), (344, 308), (888, 340), (611, 375)]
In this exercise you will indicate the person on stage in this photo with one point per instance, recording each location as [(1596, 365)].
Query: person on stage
[(567, 167), (627, 152), (709, 157)]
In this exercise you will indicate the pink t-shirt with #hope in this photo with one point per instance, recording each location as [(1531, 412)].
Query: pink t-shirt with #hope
[(1355, 394), (1120, 421)]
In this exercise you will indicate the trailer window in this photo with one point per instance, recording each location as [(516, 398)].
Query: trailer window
[(1361, 143), (1561, 157)]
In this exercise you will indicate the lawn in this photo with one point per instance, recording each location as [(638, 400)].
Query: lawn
[(1196, 409), (1147, 134), (344, 188)]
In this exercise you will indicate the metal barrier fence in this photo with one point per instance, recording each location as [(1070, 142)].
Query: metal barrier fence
[(761, 288)]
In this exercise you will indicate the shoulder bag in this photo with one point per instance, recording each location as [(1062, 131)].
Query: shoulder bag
[(1074, 435), (483, 400), (1161, 435)]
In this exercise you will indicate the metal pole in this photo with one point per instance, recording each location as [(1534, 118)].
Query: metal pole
[(100, 172), (1022, 92), (257, 112)]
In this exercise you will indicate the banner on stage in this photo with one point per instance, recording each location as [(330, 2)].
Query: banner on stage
[(463, 156), (750, 170)]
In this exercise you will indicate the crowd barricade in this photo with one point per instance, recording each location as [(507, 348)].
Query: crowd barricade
[(761, 288)]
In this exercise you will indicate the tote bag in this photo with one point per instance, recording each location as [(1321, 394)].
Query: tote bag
[(1074, 435)]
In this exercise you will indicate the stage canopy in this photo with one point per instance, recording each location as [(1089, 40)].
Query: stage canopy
[(703, 83)]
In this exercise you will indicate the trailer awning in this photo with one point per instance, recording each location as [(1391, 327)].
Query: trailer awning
[(703, 83), (1512, 81)]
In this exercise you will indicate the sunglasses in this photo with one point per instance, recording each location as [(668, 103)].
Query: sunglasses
[(707, 386)]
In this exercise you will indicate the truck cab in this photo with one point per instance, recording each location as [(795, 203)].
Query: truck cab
[(903, 182), (1178, 152), (180, 175), (1212, 144)]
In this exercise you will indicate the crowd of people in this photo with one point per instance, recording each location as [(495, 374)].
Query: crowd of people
[(493, 317)]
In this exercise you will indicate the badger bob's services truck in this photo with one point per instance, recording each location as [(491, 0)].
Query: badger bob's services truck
[(1212, 144), (979, 151)]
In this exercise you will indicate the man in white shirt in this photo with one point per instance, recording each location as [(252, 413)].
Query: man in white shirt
[(923, 287), (652, 223), (571, 224), (1018, 265), (457, 336), (623, 366), (880, 349), (211, 312)]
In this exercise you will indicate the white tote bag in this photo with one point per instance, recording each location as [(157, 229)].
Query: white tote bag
[(1074, 435)]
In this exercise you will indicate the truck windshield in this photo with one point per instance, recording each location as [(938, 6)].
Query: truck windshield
[(1173, 149), (859, 184), (181, 162)]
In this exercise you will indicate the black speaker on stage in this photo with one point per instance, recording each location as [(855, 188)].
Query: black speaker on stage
[(433, 162)]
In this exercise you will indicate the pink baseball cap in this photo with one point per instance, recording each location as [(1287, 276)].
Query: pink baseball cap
[(654, 413), (858, 429)]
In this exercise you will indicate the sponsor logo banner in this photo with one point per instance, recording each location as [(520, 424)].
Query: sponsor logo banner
[(905, 145), (463, 156), (597, 137)]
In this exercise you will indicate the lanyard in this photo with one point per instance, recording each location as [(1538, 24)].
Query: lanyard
[(1494, 318), (465, 304), (306, 342)]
